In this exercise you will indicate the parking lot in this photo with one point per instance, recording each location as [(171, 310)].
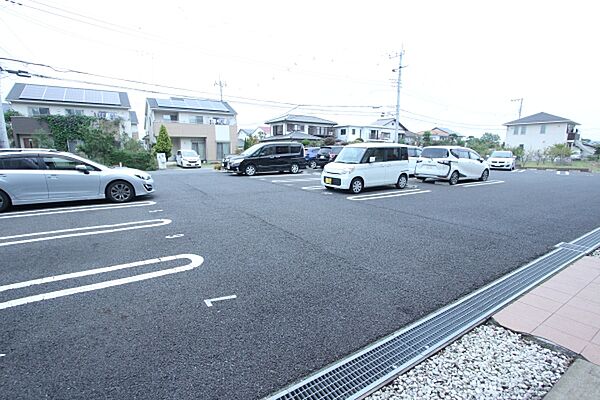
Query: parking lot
[(231, 287)]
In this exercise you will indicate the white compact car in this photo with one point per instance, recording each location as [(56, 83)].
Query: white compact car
[(451, 163), (45, 176), (502, 159), (188, 158), (363, 165)]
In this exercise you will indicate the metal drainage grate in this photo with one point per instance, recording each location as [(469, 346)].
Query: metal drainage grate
[(365, 371)]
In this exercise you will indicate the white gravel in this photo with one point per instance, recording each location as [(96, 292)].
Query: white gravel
[(488, 363), (596, 253)]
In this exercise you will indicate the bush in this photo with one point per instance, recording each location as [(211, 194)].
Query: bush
[(143, 160), (329, 141)]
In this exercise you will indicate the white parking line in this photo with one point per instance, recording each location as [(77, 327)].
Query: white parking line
[(154, 211), (295, 180), (561, 172), (468, 184), (210, 301), (195, 261), (178, 235), (386, 195), (313, 188), (64, 233), (65, 210)]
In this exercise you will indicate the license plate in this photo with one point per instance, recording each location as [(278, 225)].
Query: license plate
[(327, 180)]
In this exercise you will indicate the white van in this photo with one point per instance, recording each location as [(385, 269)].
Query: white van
[(364, 165)]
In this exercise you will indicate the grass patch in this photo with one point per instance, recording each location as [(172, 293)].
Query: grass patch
[(593, 166)]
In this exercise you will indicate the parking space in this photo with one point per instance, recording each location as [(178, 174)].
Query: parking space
[(216, 273)]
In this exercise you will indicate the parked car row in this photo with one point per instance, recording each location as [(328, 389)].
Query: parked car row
[(30, 176), (377, 164)]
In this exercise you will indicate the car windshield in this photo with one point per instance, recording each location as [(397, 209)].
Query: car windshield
[(434, 152), (189, 153), (324, 150), (350, 155), (251, 150), (501, 154)]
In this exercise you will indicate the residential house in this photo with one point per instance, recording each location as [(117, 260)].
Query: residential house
[(34, 101), (260, 133), (439, 134), (301, 123), (540, 131), (135, 132), (207, 126), (381, 130)]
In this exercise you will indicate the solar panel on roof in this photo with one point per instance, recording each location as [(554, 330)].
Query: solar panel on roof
[(74, 95), (93, 96), (33, 92), (163, 102), (196, 104), (111, 98), (54, 93)]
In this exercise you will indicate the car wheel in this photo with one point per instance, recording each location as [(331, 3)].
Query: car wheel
[(4, 201), (250, 170), (120, 192), (328, 188), (453, 178), (356, 186), (512, 167), (313, 164), (485, 175), (402, 181), (294, 168)]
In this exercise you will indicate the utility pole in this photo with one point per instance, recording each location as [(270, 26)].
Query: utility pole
[(398, 85), (221, 85), (520, 105), (4, 143)]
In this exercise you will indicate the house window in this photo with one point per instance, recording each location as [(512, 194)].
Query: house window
[(523, 129), (36, 111), (197, 119), (353, 132), (373, 134), (277, 130), (170, 117), (516, 130), (222, 149), (71, 111), (342, 132), (542, 128), (385, 135), (101, 114)]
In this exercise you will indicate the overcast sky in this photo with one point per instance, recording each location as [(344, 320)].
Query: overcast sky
[(465, 60)]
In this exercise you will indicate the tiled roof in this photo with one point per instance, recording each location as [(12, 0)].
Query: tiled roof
[(301, 118), (540, 118)]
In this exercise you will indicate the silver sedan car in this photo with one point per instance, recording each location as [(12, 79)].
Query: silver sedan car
[(45, 176)]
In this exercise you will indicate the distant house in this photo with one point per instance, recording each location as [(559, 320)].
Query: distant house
[(259, 133), (207, 126), (135, 132), (541, 130), (372, 133), (301, 123), (35, 101), (438, 134)]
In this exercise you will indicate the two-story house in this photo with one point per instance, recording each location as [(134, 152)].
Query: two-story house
[(381, 130), (540, 131), (207, 126), (301, 123), (34, 101)]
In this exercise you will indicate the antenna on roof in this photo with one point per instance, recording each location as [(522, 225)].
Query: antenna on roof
[(221, 85), (520, 105)]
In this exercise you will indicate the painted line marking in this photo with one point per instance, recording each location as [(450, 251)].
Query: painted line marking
[(178, 235), (387, 196), (195, 261), (65, 233), (2, 355), (313, 188), (65, 210), (295, 180), (155, 211), (482, 184), (384, 193), (210, 301)]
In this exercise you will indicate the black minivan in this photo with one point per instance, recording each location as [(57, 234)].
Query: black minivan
[(262, 157)]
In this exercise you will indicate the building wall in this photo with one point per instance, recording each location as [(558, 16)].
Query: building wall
[(183, 134), (533, 140)]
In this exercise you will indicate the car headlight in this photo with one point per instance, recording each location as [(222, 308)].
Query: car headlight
[(347, 170), (236, 162), (143, 177)]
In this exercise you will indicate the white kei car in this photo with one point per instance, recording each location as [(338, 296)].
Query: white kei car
[(502, 159), (451, 163), (188, 158)]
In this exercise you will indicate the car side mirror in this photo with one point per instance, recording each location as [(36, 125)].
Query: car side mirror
[(82, 168), (371, 159), (481, 159)]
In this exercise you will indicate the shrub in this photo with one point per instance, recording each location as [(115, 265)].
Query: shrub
[(143, 160)]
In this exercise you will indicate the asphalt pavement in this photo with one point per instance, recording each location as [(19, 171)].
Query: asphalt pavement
[(305, 276)]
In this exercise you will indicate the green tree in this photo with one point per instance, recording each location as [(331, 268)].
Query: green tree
[(560, 151), (163, 142), (491, 138), (98, 144), (453, 138), (426, 138), (43, 139)]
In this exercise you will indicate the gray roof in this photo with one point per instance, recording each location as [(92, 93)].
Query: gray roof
[(133, 117), (448, 131), (308, 119), (185, 103), (291, 136), (388, 121), (246, 131), (25, 92), (540, 118)]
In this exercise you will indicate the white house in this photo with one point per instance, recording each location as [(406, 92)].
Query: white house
[(540, 131), (301, 123), (35, 101), (380, 130), (259, 132)]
